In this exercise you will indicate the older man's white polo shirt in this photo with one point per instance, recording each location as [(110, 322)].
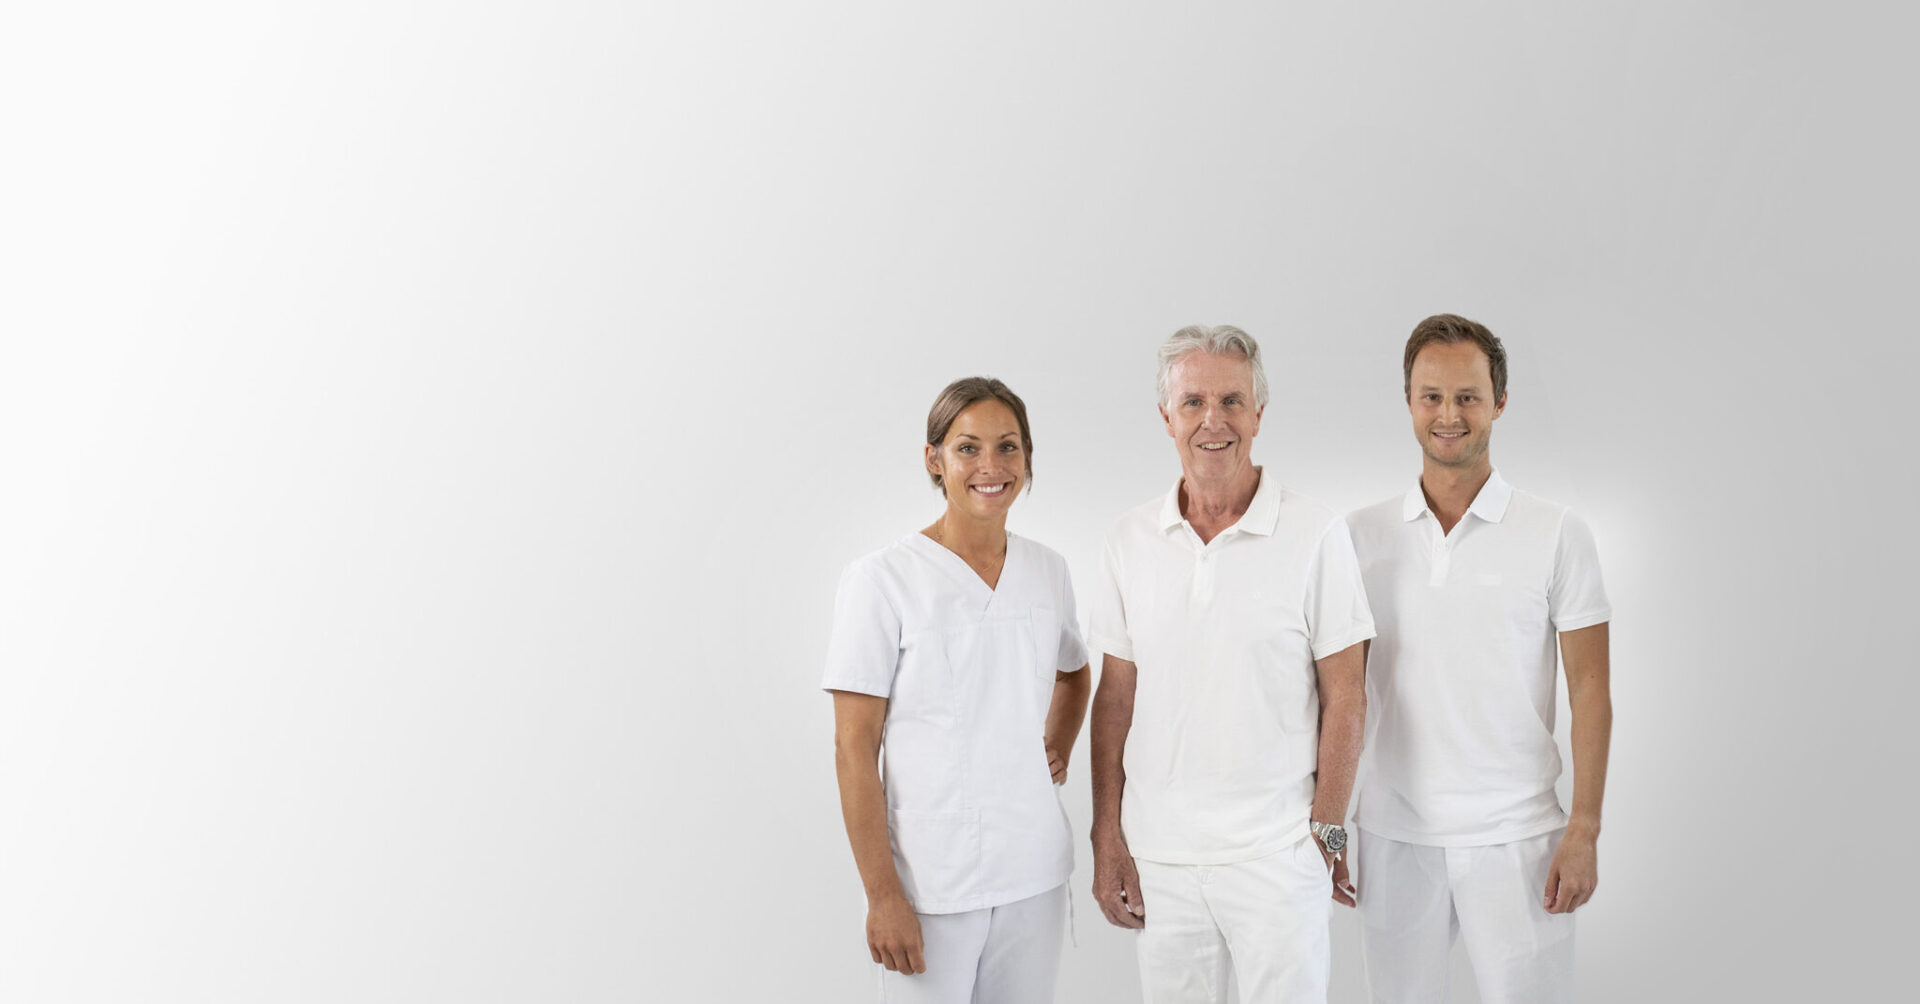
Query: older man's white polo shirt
[(1221, 755), (1461, 681)]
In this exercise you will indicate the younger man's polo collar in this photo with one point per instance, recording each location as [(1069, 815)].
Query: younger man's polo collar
[(1490, 504), (1261, 517)]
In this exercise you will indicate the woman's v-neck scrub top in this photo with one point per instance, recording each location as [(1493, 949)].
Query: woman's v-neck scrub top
[(968, 675)]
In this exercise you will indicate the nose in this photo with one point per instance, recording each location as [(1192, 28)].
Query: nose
[(1450, 411)]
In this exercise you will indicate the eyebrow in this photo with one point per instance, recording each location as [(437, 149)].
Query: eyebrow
[(1470, 388)]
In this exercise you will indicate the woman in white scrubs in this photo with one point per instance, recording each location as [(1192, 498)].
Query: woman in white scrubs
[(959, 646)]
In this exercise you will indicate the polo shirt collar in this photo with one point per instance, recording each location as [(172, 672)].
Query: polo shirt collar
[(1415, 504), (1170, 508), (1490, 504), (1261, 517)]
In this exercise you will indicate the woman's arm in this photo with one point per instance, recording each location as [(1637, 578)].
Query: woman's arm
[(1064, 718), (893, 931)]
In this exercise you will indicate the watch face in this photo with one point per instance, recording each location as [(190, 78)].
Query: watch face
[(1336, 838)]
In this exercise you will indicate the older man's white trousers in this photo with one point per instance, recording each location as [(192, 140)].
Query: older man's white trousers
[(1416, 899), (1003, 955), (1265, 920)]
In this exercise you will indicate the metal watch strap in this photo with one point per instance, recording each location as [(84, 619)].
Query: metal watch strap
[(1320, 830)]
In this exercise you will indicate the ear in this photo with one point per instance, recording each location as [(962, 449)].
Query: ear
[(1500, 406), (933, 459), (1164, 417)]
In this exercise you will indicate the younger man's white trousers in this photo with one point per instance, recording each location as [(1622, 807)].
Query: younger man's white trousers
[(1416, 899)]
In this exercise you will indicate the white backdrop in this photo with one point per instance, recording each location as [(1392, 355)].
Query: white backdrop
[(432, 434)]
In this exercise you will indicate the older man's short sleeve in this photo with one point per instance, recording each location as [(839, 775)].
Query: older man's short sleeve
[(1576, 596), (1337, 613), (1109, 620), (864, 650)]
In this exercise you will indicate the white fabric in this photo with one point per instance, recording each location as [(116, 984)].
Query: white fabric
[(1416, 899), (968, 674), (1461, 683), (1221, 755), (1007, 954), (1266, 921)]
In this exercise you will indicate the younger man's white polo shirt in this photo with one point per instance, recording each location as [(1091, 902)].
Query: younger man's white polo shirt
[(1461, 681), (1225, 740)]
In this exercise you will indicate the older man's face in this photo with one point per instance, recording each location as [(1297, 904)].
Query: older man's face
[(1211, 415)]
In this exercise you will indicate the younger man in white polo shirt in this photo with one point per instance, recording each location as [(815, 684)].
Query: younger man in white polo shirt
[(1470, 580)]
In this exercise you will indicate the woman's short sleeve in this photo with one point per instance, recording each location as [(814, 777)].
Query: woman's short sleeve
[(1073, 650), (864, 651)]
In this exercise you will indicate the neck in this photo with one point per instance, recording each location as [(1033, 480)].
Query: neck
[(1218, 503), (1450, 490), (971, 536)]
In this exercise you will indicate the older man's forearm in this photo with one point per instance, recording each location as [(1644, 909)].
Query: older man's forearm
[(1109, 775), (1112, 720), (1343, 726)]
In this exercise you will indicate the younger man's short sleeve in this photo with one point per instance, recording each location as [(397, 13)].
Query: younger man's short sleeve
[(864, 651), (1576, 596), (1336, 608)]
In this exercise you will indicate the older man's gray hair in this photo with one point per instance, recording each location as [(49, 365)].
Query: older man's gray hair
[(1219, 340)]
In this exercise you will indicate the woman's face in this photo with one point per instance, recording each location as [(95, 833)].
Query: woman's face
[(981, 462)]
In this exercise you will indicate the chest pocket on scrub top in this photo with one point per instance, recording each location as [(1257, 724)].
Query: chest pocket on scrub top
[(997, 661), (1046, 646)]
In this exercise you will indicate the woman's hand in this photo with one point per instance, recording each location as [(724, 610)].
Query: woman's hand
[(893, 935), (1058, 765)]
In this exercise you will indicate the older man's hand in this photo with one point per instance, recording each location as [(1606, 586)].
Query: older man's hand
[(1116, 883), (1343, 891)]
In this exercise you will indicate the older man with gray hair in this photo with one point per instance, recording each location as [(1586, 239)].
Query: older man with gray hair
[(1232, 702)]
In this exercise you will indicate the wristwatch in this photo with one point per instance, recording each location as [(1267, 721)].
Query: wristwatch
[(1331, 835)]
